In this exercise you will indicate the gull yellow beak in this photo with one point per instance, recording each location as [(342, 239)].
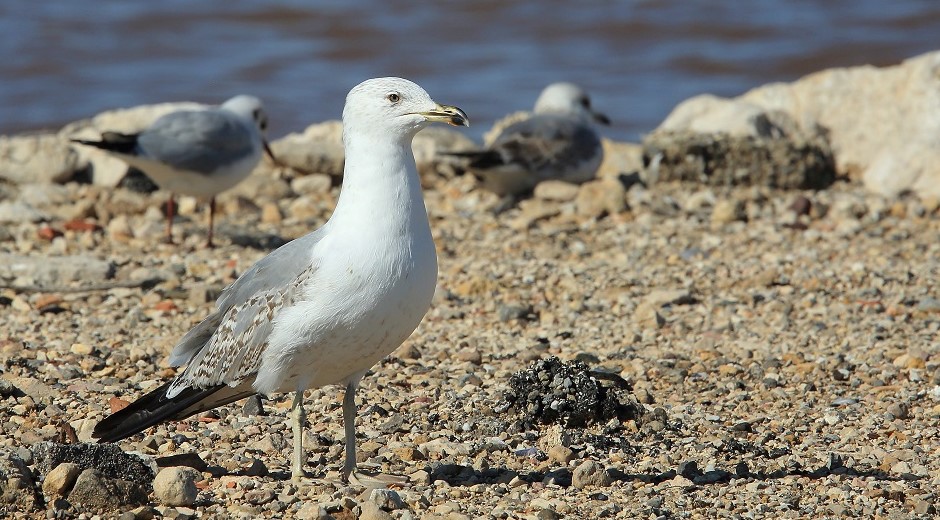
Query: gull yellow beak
[(447, 114)]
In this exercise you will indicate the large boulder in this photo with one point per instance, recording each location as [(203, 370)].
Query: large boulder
[(881, 123), (39, 158)]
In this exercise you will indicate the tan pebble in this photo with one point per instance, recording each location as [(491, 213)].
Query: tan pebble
[(60, 480), (81, 349), (727, 211), (186, 205), (556, 190), (271, 213), (601, 197), (561, 454)]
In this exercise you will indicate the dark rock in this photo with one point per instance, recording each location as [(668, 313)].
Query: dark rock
[(689, 469), (137, 181), (95, 491), (190, 460), (261, 242), (17, 484), (253, 406), (801, 205), (552, 391), (727, 160), (514, 312), (107, 459)]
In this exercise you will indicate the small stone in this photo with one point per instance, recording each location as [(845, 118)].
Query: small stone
[(408, 454), (94, 490), (590, 473), (601, 197), (899, 410), (315, 183), (801, 205), (387, 499), (176, 486), (559, 191), (119, 229), (271, 213), (561, 454), (371, 511), (471, 355), (727, 211), (253, 406), (60, 480), (81, 349), (647, 316)]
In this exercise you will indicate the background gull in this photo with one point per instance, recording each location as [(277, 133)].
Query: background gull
[(326, 307), (557, 142), (196, 152)]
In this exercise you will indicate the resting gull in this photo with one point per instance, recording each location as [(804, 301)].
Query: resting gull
[(195, 152), (557, 142), (326, 307)]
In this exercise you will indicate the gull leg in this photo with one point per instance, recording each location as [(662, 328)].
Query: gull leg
[(169, 220), (299, 420), (349, 424), (350, 472), (211, 221)]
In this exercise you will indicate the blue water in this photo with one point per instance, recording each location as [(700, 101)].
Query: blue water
[(68, 60)]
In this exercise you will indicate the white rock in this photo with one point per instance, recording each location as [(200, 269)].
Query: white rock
[(19, 211), (387, 499), (318, 149), (315, 183), (55, 271), (879, 120), (176, 486), (590, 473), (42, 158)]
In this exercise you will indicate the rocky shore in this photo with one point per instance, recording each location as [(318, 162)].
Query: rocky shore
[(648, 345)]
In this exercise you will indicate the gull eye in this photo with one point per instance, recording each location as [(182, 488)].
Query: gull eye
[(394, 97), (585, 102), (263, 123)]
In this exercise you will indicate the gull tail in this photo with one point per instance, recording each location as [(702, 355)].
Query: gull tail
[(113, 142), (155, 408), (480, 159)]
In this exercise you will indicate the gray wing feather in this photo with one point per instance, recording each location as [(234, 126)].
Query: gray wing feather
[(235, 309), (200, 141), (546, 142)]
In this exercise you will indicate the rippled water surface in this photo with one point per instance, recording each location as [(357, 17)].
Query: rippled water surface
[(68, 60)]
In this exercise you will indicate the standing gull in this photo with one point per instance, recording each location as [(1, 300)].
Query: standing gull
[(557, 142), (326, 307), (195, 152)]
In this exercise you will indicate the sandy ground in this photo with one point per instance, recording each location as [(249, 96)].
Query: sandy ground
[(782, 347)]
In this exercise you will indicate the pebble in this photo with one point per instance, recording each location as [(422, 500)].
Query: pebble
[(590, 473), (741, 350), (387, 499), (176, 486), (60, 480)]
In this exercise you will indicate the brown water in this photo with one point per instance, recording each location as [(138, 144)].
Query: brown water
[(67, 60)]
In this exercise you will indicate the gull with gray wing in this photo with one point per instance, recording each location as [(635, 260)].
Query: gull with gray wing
[(195, 152), (558, 141), (326, 307)]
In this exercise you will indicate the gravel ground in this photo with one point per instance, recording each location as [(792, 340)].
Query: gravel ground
[(721, 353)]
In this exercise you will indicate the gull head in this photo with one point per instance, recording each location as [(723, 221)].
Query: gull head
[(250, 108), (395, 107), (568, 99)]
